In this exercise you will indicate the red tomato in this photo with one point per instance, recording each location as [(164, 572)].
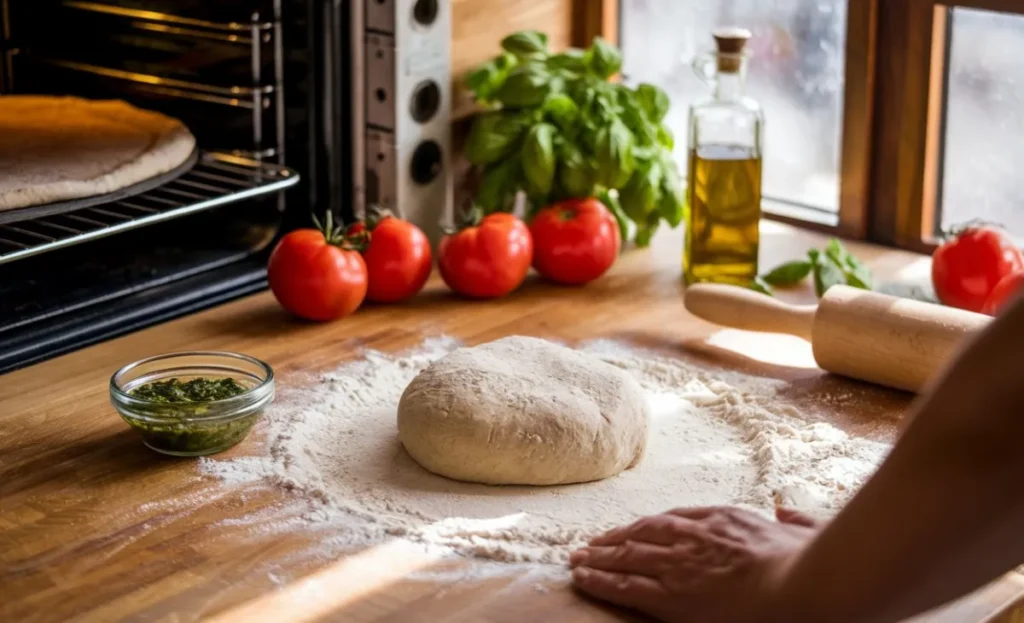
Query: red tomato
[(314, 278), (486, 260), (397, 260), (574, 241), (967, 267), (1004, 292)]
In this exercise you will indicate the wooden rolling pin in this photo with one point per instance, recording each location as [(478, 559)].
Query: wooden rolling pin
[(873, 337)]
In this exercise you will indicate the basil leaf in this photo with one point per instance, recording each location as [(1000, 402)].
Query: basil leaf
[(759, 284), (538, 160), (570, 60), (485, 80), (481, 79), (837, 252), (561, 110), (789, 273), (498, 186), (859, 277), (632, 201), (526, 43), (826, 273), (602, 106), (627, 228), (654, 101), (853, 262), (505, 62), (645, 232), (640, 196), (672, 205), (493, 136), (633, 115), (665, 137), (643, 154), (857, 274), (643, 236), (575, 174), (603, 59), (526, 86), (614, 153), (588, 136), (583, 93)]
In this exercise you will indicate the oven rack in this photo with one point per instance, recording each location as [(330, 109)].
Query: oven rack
[(216, 179), (230, 31), (192, 69), (251, 98)]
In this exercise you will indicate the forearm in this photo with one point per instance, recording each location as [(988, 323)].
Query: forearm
[(943, 514)]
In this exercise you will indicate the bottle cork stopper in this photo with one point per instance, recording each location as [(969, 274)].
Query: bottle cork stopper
[(731, 43)]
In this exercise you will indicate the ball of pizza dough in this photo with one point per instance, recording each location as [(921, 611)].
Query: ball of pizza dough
[(523, 411)]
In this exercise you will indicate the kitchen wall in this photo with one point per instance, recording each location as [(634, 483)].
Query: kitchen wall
[(478, 26)]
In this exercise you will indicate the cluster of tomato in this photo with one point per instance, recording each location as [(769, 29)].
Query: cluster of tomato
[(326, 273), (978, 268)]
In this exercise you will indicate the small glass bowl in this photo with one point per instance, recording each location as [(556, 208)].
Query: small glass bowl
[(193, 428)]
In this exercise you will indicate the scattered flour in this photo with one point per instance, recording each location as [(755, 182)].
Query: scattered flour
[(716, 439)]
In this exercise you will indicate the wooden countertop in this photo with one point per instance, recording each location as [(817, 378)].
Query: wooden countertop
[(95, 527)]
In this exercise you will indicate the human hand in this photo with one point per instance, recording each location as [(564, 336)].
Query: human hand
[(698, 565)]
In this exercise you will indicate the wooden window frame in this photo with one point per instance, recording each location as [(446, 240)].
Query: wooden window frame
[(595, 18), (911, 96), (908, 127), (892, 134)]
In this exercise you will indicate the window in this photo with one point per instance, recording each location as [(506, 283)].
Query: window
[(796, 72), (983, 147), (897, 119)]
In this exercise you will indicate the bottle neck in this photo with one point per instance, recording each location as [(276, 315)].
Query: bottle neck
[(730, 86)]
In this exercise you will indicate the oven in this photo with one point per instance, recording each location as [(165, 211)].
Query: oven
[(266, 87)]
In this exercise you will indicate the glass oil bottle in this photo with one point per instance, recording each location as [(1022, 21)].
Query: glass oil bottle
[(724, 181)]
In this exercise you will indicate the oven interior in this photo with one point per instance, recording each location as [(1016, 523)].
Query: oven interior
[(260, 83)]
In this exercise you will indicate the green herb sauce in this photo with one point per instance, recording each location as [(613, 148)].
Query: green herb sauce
[(176, 426), (194, 390)]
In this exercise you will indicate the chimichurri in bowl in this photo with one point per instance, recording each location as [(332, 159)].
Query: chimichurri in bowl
[(192, 403)]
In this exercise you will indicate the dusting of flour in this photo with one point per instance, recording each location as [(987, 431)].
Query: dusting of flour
[(714, 441)]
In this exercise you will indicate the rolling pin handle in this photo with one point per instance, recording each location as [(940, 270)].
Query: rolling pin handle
[(740, 308)]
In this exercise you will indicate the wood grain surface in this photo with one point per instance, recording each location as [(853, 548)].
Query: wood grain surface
[(95, 527), (478, 27)]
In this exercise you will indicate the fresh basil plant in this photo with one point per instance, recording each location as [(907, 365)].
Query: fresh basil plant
[(556, 128)]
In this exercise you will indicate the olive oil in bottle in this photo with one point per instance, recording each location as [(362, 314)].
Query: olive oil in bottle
[(724, 182), (725, 210)]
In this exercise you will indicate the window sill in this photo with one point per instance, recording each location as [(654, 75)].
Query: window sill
[(801, 216)]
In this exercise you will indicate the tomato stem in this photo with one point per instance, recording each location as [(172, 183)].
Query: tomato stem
[(974, 223), (469, 218), (473, 216), (376, 213), (355, 241), (341, 236)]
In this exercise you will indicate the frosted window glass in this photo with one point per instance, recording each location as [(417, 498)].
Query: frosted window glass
[(797, 73), (984, 138)]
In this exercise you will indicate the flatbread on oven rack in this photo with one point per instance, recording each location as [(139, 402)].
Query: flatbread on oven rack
[(55, 149)]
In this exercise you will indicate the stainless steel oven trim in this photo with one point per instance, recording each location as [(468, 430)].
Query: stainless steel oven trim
[(279, 93), (357, 19)]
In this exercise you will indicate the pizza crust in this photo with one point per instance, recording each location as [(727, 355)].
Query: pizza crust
[(60, 148)]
